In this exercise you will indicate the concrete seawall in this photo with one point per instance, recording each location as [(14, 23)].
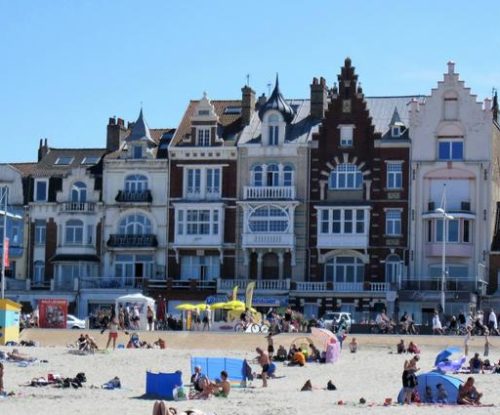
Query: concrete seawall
[(242, 341)]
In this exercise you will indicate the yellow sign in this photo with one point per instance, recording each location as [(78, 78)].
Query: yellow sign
[(249, 294), (235, 293)]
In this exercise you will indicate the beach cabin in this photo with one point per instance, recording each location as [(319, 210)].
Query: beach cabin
[(9, 321)]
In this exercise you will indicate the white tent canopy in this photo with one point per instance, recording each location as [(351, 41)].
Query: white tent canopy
[(136, 300)]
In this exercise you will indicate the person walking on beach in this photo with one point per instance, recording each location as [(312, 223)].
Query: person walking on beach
[(270, 345), (265, 362), (437, 327), (150, 317), (207, 318), (468, 338)]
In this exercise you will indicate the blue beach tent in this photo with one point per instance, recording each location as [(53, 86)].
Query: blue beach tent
[(432, 379)]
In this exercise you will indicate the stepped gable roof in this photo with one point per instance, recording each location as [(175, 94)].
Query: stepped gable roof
[(298, 131), (277, 102), (75, 156), (382, 110), (229, 122)]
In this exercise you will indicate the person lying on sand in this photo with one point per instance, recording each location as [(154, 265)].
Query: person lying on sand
[(220, 388), (19, 357)]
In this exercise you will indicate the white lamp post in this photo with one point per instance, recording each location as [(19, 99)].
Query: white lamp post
[(446, 218), (4, 197)]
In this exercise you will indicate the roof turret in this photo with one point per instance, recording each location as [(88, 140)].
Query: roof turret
[(277, 102), (140, 131)]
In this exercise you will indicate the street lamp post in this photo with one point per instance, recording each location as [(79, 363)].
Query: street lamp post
[(446, 218)]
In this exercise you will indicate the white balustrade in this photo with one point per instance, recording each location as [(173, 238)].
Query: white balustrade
[(269, 192)]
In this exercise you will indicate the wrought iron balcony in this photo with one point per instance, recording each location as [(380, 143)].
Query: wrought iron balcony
[(143, 196), (80, 207), (132, 241)]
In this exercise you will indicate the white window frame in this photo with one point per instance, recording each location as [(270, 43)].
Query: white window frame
[(269, 223), (135, 149), (191, 267), (132, 222), (393, 268), (437, 230), (73, 232), (273, 129), (79, 192), (206, 182), (136, 183), (393, 222), (40, 232), (38, 271), (348, 172), (346, 135), (394, 174), (358, 268), (203, 137), (348, 216), (191, 223), (35, 196)]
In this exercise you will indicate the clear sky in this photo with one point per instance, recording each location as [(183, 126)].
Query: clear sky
[(67, 66)]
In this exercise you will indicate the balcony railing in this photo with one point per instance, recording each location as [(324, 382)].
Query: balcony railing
[(264, 285), (109, 282), (125, 196), (256, 240), (269, 192), (313, 286), (330, 241), (434, 284), (79, 207), (132, 241)]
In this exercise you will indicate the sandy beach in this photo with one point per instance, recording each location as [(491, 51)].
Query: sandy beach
[(373, 373)]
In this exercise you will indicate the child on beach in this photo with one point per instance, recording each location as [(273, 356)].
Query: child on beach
[(353, 345), (442, 395)]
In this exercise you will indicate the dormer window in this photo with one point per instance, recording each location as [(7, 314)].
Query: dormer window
[(137, 151), (274, 130), (396, 131), (203, 137)]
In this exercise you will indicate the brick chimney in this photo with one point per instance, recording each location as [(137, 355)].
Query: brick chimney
[(43, 149), (115, 133), (247, 104), (319, 96)]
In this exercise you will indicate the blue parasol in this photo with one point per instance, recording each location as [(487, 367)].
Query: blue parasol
[(443, 355)]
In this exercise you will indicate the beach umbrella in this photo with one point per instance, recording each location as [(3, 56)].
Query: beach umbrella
[(231, 305), (324, 335), (202, 306), (217, 306), (185, 307), (253, 310), (444, 354)]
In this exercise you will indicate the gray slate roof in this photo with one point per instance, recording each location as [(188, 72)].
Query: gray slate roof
[(298, 131), (46, 167), (382, 109)]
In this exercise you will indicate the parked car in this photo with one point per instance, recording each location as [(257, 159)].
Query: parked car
[(74, 323), (332, 319)]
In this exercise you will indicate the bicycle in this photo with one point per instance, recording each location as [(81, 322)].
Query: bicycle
[(251, 328)]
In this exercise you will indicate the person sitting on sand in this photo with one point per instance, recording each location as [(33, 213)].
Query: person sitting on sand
[(134, 342), (298, 359), (413, 348), (196, 379), (91, 343), (19, 357), (222, 387), (353, 345), (468, 394), (281, 354), (428, 398), (476, 364), (81, 343), (293, 349), (401, 348), (315, 354), (160, 343), (442, 394)]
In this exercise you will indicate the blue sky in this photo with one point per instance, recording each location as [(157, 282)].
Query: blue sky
[(67, 66)]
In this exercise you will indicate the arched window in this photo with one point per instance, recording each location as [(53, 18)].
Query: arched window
[(274, 129), (346, 176), (272, 175), (268, 219), (74, 232), (288, 176), (344, 269), (136, 183), (257, 176), (392, 268), (135, 224), (79, 193), (39, 271)]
